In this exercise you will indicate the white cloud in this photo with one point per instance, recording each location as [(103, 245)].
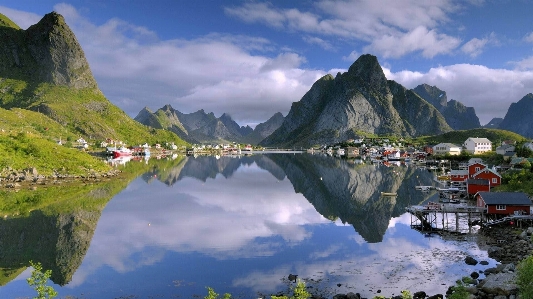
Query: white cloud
[(489, 91), (21, 18), (529, 37), (351, 57), (215, 72), (475, 46), (429, 42), (393, 28), (320, 42)]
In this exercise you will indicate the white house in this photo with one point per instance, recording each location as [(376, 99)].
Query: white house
[(529, 145), (501, 150), (446, 148), (477, 145)]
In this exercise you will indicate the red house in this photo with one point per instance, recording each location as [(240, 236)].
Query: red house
[(475, 168), (474, 186), (458, 175), (494, 178), (504, 203)]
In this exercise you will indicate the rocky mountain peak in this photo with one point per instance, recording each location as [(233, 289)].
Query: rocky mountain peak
[(47, 52), (367, 68), (518, 117), (432, 94)]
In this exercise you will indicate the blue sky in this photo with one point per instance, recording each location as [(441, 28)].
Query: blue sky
[(252, 59)]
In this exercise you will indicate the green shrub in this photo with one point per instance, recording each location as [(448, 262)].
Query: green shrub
[(38, 281), (524, 278)]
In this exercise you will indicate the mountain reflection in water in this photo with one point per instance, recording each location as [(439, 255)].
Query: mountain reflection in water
[(242, 224)]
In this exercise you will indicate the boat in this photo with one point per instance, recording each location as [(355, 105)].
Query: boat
[(389, 194), (423, 188), (122, 152)]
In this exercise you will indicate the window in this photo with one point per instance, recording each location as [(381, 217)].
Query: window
[(494, 180), (500, 207), (477, 169)]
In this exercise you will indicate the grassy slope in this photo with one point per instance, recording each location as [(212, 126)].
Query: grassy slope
[(459, 137)]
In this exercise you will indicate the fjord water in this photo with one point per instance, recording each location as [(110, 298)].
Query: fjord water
[(242, 225)]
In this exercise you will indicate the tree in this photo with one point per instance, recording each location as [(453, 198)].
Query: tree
[(38, 281)]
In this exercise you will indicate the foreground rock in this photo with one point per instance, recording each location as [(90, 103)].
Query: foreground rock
[(30, 177)]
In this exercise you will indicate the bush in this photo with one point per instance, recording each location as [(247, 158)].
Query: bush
[(524, 278), (38, 281)]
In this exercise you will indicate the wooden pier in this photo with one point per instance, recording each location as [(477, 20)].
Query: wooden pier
[(435, 216)]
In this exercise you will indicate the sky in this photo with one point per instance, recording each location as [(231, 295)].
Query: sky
[(251, 59)]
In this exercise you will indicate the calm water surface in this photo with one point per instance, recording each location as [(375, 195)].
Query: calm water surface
[(242, 224)]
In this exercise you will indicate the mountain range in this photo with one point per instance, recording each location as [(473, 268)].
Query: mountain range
[(359, 102), (202, 127)]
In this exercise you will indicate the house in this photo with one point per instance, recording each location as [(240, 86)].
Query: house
[(494, 178), (509, 156), (529, 145), (458, 175), (517, 161), (446, 148), (474, 168), (477, 145), (501, 150), (474, 186), (504, 203)]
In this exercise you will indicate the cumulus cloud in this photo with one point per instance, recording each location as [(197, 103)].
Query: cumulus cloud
[(489, 91), (529, 37), (219, 73), (429, 42), (475, 46), (409, 25)]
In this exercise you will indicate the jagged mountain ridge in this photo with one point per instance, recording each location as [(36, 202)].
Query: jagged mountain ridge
[(518, 118), (360, 101), (202, 127), (457, 115)]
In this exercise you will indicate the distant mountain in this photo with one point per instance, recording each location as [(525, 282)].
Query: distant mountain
[(201, 127), (265, 129), (519, 117), (44, 69), (457, 115), (494, 123), (358, 102)]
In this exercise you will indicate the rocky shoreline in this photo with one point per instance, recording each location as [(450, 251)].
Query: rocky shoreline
[(506, 244), (30, 178)]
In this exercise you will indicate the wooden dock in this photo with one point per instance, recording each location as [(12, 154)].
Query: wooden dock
[(434, 216)]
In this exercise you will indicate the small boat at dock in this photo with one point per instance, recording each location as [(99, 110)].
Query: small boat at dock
[(389, 194)]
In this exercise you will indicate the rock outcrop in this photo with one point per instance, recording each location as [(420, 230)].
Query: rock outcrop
[(519, 117), (46, 52), (360, 101), (457, 115)]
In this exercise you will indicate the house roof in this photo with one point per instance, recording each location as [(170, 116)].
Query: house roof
[(509, 154), (486, 169), (480, 140), (483, 182), (504, 147), (475, 160), (458, 172), (507, 198)]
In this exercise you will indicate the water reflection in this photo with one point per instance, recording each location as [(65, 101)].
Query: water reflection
[(241, 225)]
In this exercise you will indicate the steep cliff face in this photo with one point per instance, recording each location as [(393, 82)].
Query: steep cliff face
[(46, 52), (519, 117), (457, 115), (359, 101)]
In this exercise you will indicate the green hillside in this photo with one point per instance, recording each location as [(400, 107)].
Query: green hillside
[(459, 137)]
